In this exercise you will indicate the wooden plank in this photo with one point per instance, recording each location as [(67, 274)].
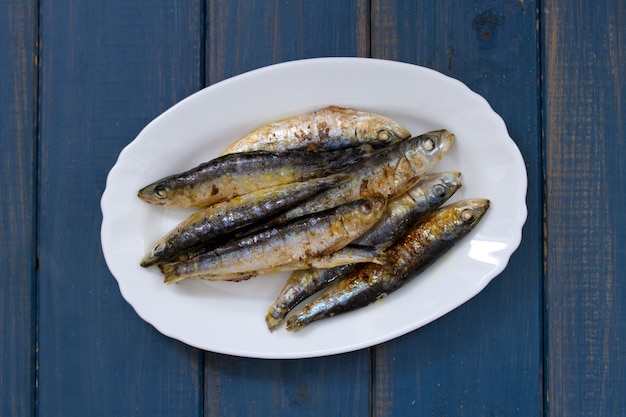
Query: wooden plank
[(108, 68), (485, 357), (18, 144), (243, 36), (585, 73)]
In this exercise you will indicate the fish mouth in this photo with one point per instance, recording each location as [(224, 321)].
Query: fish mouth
[(447, 138), (147, 194), (479, 205), (452, 178)]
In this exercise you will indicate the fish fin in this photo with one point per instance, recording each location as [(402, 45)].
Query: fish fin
[(377, 252), (171, 279), (169, 272), (167, 268)]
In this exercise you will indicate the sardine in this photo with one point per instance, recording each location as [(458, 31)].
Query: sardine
[(218, 220), (401, 212), (329, 128), (309, 237), (425, 242), (347, 255), (237, 174), (391, 171)]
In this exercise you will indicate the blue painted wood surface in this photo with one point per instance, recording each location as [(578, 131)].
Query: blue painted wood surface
[(18, 168), (107, 69), (79, 80), (282, 31), (484, 358), (584, 89)]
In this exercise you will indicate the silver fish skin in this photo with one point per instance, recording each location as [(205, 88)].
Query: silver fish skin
[(309, 237), (431, 191), (427, 241), (427, 195), (391, 171), (232, 175), (348, 255), (329, 128), (203, 227)]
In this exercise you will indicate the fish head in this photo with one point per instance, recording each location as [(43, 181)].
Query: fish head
[(436, 188), (388, 131), (461, 217), (425, 150), (473, 210), (161, 193), (436, 143), (360, 215), (154, 255)]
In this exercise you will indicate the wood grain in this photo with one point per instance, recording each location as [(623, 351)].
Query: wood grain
[(18, 167), (79, 80), (108, 68), (585, 73), (244, 36), (484, 358)]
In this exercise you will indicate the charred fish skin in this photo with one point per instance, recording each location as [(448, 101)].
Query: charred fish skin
[(309, 237), (427, 195), (232, 175), (432, 191), (348, 255), (329, 128), (203, 227), (301, 285), (389, 172), (427, 241)]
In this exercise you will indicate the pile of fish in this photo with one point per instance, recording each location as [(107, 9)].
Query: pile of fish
[(344, 199)]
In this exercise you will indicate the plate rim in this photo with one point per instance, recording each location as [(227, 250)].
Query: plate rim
[(514, 244)]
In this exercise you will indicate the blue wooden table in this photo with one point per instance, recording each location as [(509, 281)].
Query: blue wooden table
[(79, 79)]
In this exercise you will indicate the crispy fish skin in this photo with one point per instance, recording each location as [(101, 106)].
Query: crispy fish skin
[(237, 174), (204, 226), (420, 247), (391, 171), (344, 256), (329, 128), (401, 212), (309, 237)]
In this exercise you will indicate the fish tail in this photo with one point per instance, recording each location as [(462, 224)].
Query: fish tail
[(169, 273), (381, 254), (172, 279), (272, 322)]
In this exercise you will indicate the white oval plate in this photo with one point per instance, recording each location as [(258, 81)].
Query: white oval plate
[(230, 317)]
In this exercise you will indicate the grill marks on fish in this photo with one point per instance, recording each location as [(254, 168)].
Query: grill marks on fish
[(237, 174), (348, 255), (422, 245), (326, 235), (204, 227), (309, 237), (401, 212), (329, 128), (389, 172)]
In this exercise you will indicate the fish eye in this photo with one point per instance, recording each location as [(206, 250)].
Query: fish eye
[(366, 207), (160, 191), (159, 249), (467, 215), (439, 190), (428, 144), (384, 135)]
